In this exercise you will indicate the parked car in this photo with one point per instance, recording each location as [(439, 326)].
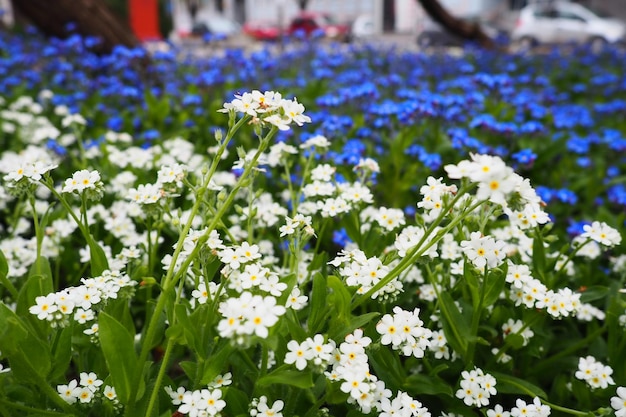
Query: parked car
[(262, 30), (308, 23), (565, 22), (363, 27), (207, 24)]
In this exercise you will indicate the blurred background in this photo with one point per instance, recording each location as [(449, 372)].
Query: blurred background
[(525, 22)]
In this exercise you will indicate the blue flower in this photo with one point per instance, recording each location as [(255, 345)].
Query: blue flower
[(524, 157)]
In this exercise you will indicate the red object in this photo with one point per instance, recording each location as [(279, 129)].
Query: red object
[(262, 31), (144, 19), (308, 23)]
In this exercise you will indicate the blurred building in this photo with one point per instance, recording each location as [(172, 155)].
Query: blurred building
[(386, 15)]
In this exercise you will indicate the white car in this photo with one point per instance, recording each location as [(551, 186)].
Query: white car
[(556, 22)]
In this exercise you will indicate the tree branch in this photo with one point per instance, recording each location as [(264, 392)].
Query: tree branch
[(459, 27)]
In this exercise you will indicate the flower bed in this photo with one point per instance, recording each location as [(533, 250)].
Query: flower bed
[(433, 235)]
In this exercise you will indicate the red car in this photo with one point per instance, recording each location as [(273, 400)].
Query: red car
[(262, 30), (309, 22)]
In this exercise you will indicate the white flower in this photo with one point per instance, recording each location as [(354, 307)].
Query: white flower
[(82, 180), (212, 400), (294, 112), (602, 233), (594, 373), (109, 392), (316, 141), (85, 395), (296, 300), (618, 403), (90, 381), (176, 396), (222, 380), (69, 392), (45, 307), (483, 250), (299, 354)]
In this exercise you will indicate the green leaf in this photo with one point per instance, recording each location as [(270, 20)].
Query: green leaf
[(420, 384), (119, 352), (516, 341), (39, 283), (494, 285), (539, 255), (98, 258), (236, 402), (318, 308), (190, 368), (300, 379), (61, 352), (29, 356), (354, 323), (507, 384), (456, 326), (4, 273), (594, 293), (386, 364), (217, 361), (35, 286), (470, 275), (339, 297), (4, 265)]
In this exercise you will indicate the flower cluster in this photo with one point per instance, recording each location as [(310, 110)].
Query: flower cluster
[(364, 273), (260, 408), (476, 388), (80, 303), (268, 108), (483, 251), (85, 390), (594, 373), (602, 233), (204, 402), (248, 315), (521, 409), (498, 183), (313, 349), (29, 166), (434, 192), (83, 180), (404, 331)]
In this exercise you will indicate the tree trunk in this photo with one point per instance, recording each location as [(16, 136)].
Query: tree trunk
[(92, 18), (462, 28)]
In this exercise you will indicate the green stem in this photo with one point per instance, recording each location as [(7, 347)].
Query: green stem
[(159, 379), (315, 407), (54, 396), (565, 409), (33, 411), (69, 209), (570, 349), (172, 276), (38, 231), (81, 149), (571, 256), (250, 223), (264, 360), (292, 193), (506, 346), (422, 246), (305, 173), (471, 344)]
